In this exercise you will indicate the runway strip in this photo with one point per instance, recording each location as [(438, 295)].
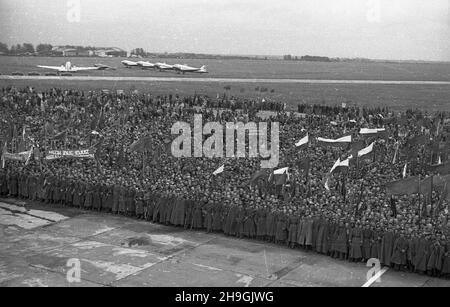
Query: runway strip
[(221, 80)]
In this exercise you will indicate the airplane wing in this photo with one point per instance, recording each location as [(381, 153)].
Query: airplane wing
[(84, 68), (50, 67)]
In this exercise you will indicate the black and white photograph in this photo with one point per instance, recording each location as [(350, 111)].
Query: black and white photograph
[(225, 151)]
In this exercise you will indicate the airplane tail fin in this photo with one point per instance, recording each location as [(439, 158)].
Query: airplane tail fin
[(203, 68)]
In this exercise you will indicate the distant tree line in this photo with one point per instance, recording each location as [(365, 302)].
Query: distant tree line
[(19, 49), (309, 58)]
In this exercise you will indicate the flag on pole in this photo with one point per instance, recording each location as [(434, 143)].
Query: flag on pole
[(345, 139), (280, 176), (327, 178), (5, 149), (340, 164), (336, 164), (30, 153), (371, 131), (366, 150), (303, 141), (406, 186), (24, 133), (396, 153), (219, 170), (404, 170)]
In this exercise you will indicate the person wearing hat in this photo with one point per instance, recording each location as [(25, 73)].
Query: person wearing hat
[(356, 241), (400, 252), (422, 254)]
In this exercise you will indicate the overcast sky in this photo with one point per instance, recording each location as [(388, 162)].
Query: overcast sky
[(382, 29)]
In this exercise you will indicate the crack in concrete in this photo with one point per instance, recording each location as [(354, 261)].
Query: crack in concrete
[(15, 212)]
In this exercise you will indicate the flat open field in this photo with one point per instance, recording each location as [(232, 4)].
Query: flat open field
[(398, 97), (251, 69)]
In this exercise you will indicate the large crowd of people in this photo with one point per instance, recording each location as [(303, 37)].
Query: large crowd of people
[(350, 217)]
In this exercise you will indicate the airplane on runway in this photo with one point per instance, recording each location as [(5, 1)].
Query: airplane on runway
[(145, 64), (129, 64), (185, 68), (68, 67), (164, 66)]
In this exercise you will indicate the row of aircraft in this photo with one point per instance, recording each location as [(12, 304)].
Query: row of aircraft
[(179, 68), (68, 67)]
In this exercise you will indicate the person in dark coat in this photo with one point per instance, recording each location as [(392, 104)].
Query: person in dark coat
[(281, 228), (116, 198), (139, 205), (271, 220), (229, 227), (149, 205), (157, 205), (217, 225), (249, 224), (292, 230), (189, 214), (445, 271), (322, 236), (387, 245), (69, 193), (88, 198), (423, 250), (356, 241), (341, 243), (367, 239), (261, 224), (122, 200), (12, 184), (434, 265), (96, 197), (131, 202), (197, 219), (3, 183), (106, 194), (209, 212), (412, 247), (399, 257), (178, 213)]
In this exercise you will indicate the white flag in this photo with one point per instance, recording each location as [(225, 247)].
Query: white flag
[(303, 141), (346, 163), (439, 160), (345, 139), (395, 154), (371, 131), (404, 170), (366, 150), (326, 184), (29, 156), (336, 164), (219, 170), (281, 171)]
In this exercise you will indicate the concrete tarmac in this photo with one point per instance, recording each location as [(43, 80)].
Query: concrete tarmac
[(40, 245)]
